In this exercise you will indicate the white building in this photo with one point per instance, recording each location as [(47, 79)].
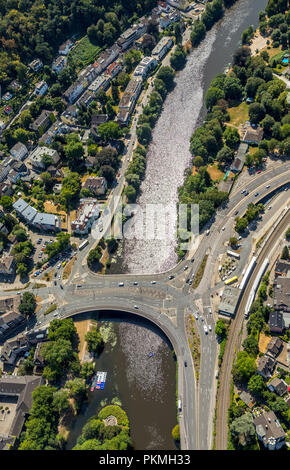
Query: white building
[(59, 64), (41, 88), (161, 49), (88, 212), (37, 155)]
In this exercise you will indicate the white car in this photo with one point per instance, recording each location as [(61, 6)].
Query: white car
[(223, 229), (136, 306), (205, 329), (196, 316), (153, 282), (209, 327), (121, 284), (202, 319), (268, 186), (270, 207)]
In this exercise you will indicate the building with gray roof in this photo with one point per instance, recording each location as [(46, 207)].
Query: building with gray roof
[(269, 430), (229, 301)]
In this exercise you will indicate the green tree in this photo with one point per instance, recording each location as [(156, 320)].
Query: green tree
[(285, 253), (109, 130), (232, 137), (27, 305), (244, 367), (94, 341), (87, 370), (243, 431), (77, 390), (94, 257), (256, 385), (175, 433), (250, 345), (6, 202), (166, 74)]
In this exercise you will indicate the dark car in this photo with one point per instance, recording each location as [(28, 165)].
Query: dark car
[(236, 213), (55, 283), (185, 363)]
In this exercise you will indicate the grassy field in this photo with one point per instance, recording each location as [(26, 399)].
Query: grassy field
[(199, 274), (238, 114), (84, 52), (215, 173)]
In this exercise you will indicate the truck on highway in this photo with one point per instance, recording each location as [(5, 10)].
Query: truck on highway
[(179, 406)]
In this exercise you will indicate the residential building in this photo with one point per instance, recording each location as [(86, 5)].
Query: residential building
[(130, 35), (106, 58), (274, 347), (42, 122), (87, 213), (278, 386), (131, 94), (74, 91), (8, 110), (98, 119), (47, 222), (59, 64), (269, 430), (163, 46), (15, 85), (266, 366), (9, 323), (164, 7), (65, 47), (35, 65), (102, 82), (145, 66), (113, 69), (16, 392), (86, 99), (41, 88), (9, 304), (19, 151), (38, 360), (36, 157), (97, 185), (7, 267), (282, 268), (276, 322), (253, 136), (240, 158), (282, 294)]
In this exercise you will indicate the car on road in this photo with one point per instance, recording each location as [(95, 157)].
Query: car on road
[(18, 293), (61, 286), (270, 207), (59, 277), (135, 283), (192, 260), (201, 317), (205, 329), (236, 212), (136, 306), (170, 277), (185, 363), (196, 316), (185, 267), (207, 232), (190, 282), (256, 194), (55, 314), (240, 237), (209, 327), (259, 171), (223, 229), (121, 284), (210, 310), (55, 283), (268, 186), (153, 282), (246, 193), (187, 280), (59, 266), (243, 191)]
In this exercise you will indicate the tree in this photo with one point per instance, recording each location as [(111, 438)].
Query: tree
[(58, 356), (225, 155), (243, 431), (288, 234), (198, 33), (130, 192), (244, 367), (47, 181), (233, 242), (94, 340), (62, 329), (109, 130), (285, 253), (232, 88), (250, 345), (144, 133), (178, 58), (241, 224), (87, 370), (77, 390), (166, 74), (232, 137), (220, 328), (20, 235), (71, 186), (256, 112), (61, 401), (27, 305), (256, 384), (74, 152), (212, 96), (175, 433), (6, 202)]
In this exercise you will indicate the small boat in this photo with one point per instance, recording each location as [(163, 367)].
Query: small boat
[(98, 381), (151, 354)]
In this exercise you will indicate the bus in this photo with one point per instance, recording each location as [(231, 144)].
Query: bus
[(83, 244), (232, 253), (231, 280)]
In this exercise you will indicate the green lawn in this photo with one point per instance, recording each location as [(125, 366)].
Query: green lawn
[(84, 52), (238, 114)]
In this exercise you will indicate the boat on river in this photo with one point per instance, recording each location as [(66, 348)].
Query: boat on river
[(98, 381)]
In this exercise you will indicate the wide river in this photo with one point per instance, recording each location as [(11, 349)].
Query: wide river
[(146, 386), (168, 155)]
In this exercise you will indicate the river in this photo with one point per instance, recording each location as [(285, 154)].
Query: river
[(146, 386), (168, 154)]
